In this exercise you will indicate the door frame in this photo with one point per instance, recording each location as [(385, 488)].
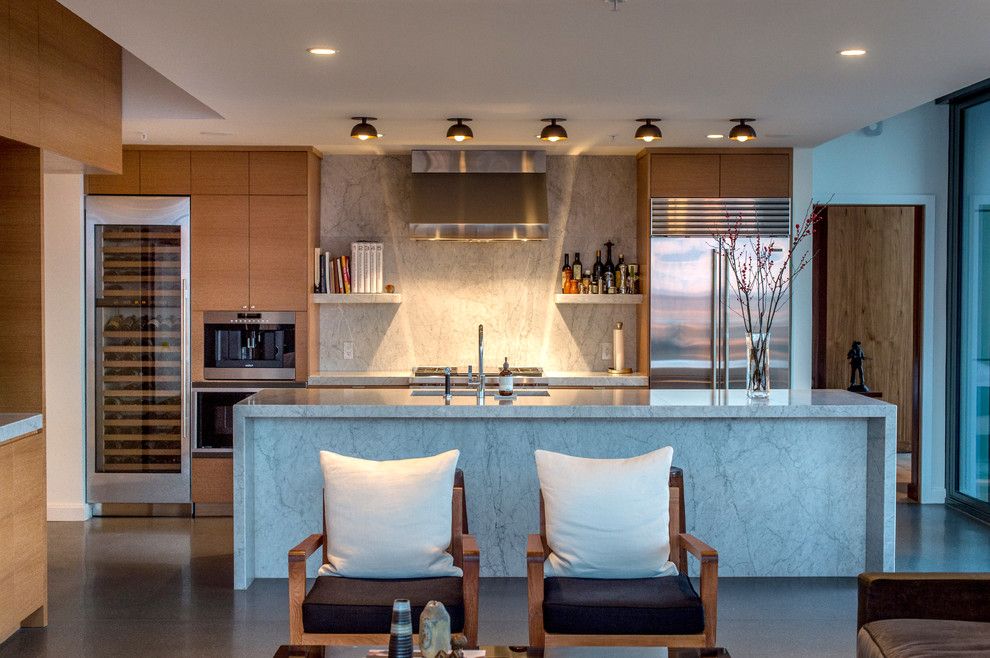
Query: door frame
[(958, 104), (819, 320)]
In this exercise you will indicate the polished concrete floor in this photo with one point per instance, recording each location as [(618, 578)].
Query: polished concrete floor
[(161, 587)]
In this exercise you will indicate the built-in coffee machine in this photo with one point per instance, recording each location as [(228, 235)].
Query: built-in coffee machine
[(249, 346)]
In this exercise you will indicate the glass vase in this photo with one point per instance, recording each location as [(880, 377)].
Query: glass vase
[(758, 366)]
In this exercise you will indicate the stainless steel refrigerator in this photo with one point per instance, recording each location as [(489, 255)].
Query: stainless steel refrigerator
[(697, 339), (137, 337)]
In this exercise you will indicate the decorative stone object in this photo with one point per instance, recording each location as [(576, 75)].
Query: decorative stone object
[(400, 643), (434, 630)]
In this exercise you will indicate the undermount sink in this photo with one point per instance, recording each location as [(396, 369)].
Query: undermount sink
[(465, 392)]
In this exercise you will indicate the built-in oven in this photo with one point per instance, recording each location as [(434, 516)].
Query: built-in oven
[(249, 346)]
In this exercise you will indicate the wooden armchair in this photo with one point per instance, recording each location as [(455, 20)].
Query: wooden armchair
[(353, 611), (635, 612)]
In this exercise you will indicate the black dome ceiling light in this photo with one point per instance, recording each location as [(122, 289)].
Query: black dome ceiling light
[(648, 132), (742, 132), (553, 132), (363, 130), (460, 131)]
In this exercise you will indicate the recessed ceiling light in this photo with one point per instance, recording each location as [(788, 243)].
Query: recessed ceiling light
[(322, 51), (852, 52), (715, 136)]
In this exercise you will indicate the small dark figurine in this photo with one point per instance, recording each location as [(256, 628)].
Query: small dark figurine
[(856, 356)]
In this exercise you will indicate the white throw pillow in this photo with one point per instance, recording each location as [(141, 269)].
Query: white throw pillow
[(388, 519), (607, 518)]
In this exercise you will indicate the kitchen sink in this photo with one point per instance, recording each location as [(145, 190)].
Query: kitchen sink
[(465, 392)]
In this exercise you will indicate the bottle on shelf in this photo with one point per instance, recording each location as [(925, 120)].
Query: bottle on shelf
[(608, 270), (586, 282), (597, 269), (621, 276), (505, 383), (565, 273), (577, 272)]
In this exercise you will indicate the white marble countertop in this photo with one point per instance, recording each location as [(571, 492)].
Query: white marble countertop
[(405, 378), (13, 426), (561, 403)]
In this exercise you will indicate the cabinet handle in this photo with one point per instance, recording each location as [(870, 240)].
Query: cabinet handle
[(252, 307), (244, 307)]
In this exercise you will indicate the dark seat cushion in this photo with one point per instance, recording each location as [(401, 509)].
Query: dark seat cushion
[(920, 638), (645, 606), (359, 605)]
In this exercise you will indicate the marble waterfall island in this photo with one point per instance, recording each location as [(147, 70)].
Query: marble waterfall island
[(802, 485)]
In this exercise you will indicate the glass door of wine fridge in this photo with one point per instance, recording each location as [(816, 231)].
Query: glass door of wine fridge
[(137, 262)]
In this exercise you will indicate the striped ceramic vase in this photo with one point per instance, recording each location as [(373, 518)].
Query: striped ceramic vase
[(400, 644)]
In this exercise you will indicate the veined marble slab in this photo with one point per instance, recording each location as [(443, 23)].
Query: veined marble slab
[(405, 378), (802, 485), (14, 426)]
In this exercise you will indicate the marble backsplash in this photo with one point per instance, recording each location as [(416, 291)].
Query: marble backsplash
[(449, 288)]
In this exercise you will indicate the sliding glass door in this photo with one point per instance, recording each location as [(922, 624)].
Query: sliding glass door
[(969, 408)]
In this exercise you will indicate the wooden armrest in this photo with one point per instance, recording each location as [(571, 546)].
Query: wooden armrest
[(698, 548), (470, 545), (305, 548), (534, 549)]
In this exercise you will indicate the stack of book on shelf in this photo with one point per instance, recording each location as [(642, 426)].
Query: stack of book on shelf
[(361, 272)]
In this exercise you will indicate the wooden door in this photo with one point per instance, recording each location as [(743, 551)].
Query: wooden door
[(868, 288), (219, 248), (684, 175), (279, 262)]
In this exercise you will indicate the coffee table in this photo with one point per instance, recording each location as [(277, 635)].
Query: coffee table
[(287, 651)]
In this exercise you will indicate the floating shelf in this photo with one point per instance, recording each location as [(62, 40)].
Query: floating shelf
[(359, 298), (599, 299)]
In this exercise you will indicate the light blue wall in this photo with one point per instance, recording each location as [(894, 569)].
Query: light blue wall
[(906, 163)]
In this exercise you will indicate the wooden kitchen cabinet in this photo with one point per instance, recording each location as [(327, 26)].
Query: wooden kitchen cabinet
[(220, 252), (279, 172), (279, 258), (684, 175), (220, 172), (165, 172), (25, 71), (127, 182), (212, 479), (760, 175)]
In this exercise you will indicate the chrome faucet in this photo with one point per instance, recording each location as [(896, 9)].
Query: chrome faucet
[(481, 362)]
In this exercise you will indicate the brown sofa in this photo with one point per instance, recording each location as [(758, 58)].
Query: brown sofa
[(915, 615)]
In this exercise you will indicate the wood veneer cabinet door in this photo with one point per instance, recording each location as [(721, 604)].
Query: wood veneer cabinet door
[(684, 175), (279, 172), (4, 69), (279, 258), (128, 182), (219, 172), (165, 172), (755, 175), (212, 479), (219, 248)]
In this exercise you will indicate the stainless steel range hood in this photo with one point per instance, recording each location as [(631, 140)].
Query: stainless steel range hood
[(479, 196)]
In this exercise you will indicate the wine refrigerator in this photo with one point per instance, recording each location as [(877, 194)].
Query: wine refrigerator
[(137, 337)]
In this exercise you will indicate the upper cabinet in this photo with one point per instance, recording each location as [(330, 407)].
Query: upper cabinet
[(220, 246), (128, 182), (278, 237), (165, 172), (279, 172), (220, 172), (712, 173), (686, 175), (762, 175)]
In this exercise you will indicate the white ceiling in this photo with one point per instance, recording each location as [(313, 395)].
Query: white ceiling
[(507, 63)]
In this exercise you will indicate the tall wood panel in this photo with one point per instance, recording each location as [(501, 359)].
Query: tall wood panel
[(21, 279), (5, 98), (279, 252), (23, 534), (869, 294), (219, 252), (25, 72)]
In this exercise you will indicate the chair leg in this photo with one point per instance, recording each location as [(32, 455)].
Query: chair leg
[(297, 593), (471, 583), (535, 597)]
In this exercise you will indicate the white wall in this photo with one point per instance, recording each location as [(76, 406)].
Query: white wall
[(64, 348), (906, 163)]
